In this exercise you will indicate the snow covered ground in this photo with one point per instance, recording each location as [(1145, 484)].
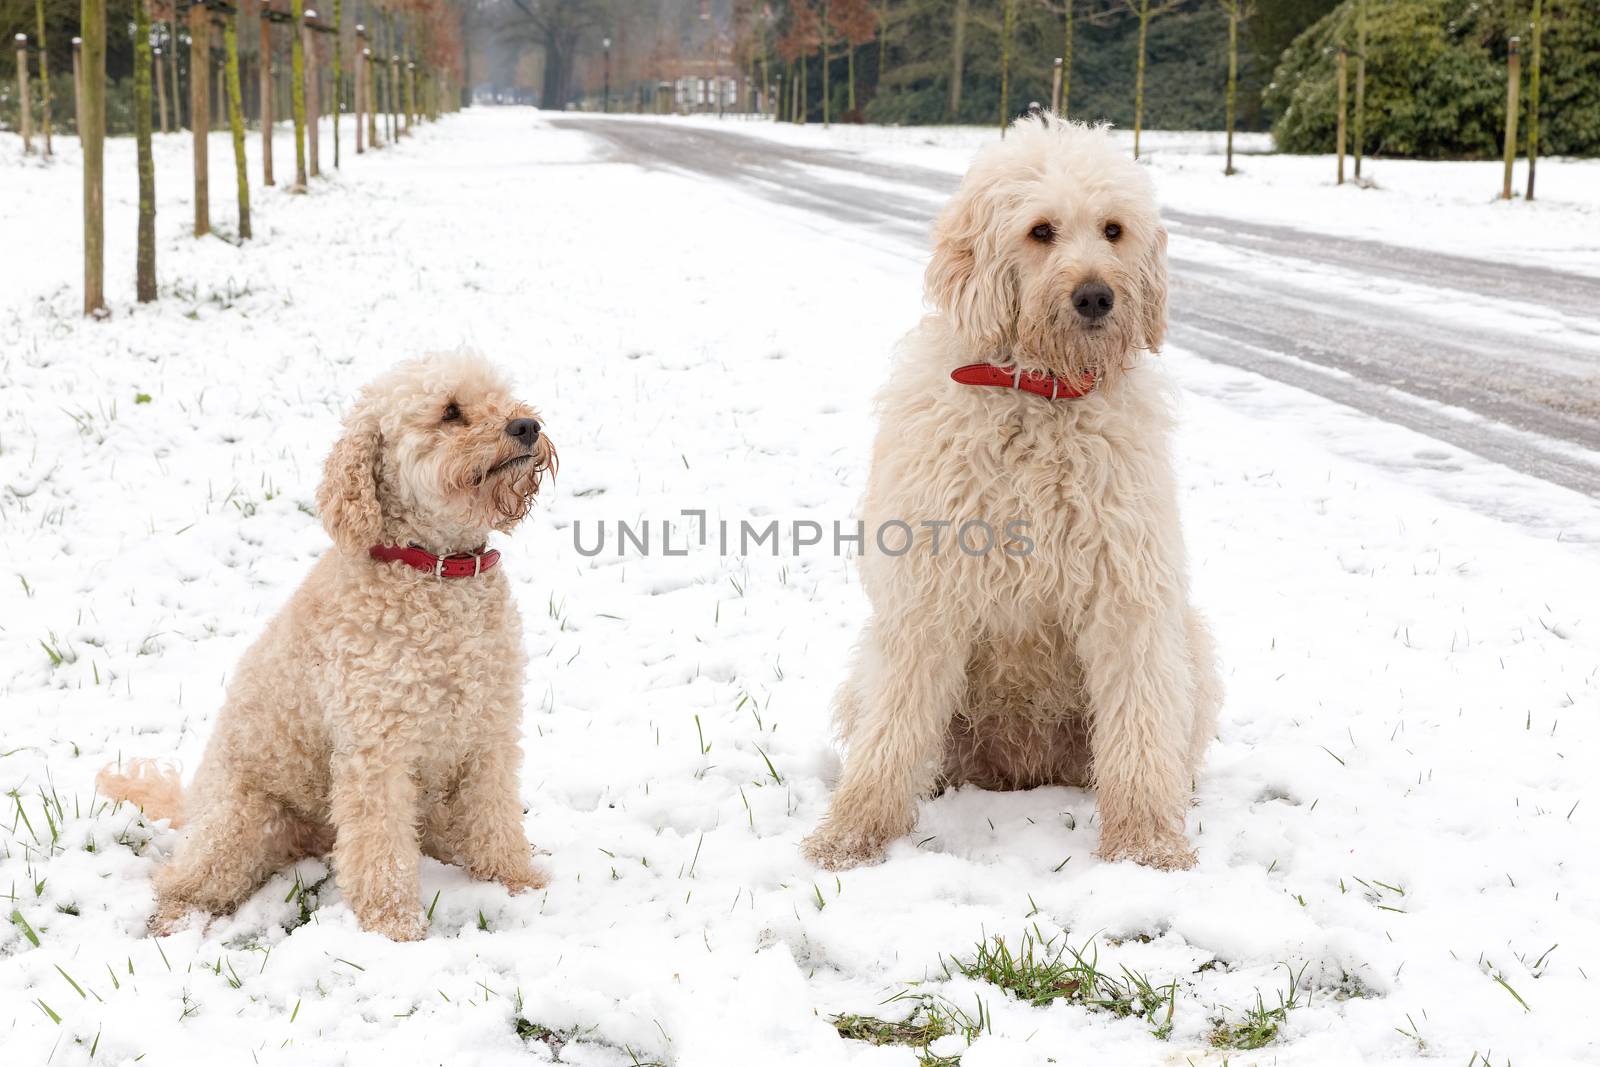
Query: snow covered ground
[(1444, 206), (1395, 825)]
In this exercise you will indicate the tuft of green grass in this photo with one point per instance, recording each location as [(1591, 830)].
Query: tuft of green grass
[(931, 1018), (1259, 1025), (308, 899), (1041, 971), (554, 1040)]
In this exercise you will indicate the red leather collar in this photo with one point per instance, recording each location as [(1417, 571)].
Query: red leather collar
[(460, 565), (1045, 385)]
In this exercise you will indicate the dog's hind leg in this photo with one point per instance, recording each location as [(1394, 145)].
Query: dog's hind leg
[(235, 839), (911, 673)]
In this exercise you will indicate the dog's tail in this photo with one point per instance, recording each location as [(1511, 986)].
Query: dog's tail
[(151, 785)]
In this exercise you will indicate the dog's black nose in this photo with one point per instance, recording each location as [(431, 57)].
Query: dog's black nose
[(1093, 300), (524, 430)]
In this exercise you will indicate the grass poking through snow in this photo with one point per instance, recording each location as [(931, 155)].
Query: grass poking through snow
[(931, 1019), (1041, 971)]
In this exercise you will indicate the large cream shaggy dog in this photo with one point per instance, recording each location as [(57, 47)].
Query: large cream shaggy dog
[(379, 713), (1068, 654)]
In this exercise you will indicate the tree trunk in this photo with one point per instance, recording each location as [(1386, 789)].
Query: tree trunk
[(464, 97), (77, 86), (410, 76), (1233, 75), (1343, 62), (1533, 95), (297, 91), (372, 102), (1138, 82), (44, 78), (265, 77), (1361, 84), (338, 74), (1005, 63), (827, 104), (200, 113), (230, 44), (557, 72), (161, 90), (24, 105), (313, 98), (883, 39), (958, 59), (92, 131), (851, 66), (172, 71), (1066, 65), (361, 89), (145, 263)]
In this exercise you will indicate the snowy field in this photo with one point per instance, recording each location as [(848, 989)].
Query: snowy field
[(1391, 825)]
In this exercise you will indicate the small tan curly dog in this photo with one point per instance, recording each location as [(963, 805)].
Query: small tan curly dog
[(380, 712), (1068, 652)]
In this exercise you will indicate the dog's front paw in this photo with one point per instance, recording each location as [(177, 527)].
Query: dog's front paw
[(512, 869), (838, 849), (531, 878), (404, 926), (172, 916), (1164, 853)]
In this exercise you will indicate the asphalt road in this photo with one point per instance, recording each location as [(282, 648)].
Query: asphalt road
[(1360, 322)]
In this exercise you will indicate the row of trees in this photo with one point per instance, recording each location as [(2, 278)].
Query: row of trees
[(788, 54), (414, 74), (1429, 78), (906, 61)]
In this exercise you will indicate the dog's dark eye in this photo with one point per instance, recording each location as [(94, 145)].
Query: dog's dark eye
[(452, 413), (1043, 232), (1112, 231)]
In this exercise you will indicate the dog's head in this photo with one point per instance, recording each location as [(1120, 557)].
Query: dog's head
[(1052, 254), (437, 452)]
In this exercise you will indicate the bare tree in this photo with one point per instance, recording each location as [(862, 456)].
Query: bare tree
[(44, 78), (338, 74), (1008, 21), (858, 23), (145, 261), (1537, 47), (235, 97), (958, 58), (1142, 10), (1237, 11), (1068, 20), (92, 132), (297, 90), (558, 26)]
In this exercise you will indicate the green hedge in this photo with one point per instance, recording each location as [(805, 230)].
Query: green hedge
[(1436, 79)]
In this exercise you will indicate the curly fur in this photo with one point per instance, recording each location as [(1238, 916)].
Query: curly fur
[(379, 714), (1080, 662)]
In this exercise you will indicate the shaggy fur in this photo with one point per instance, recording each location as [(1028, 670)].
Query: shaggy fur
[(379, 713), (1082, 661)]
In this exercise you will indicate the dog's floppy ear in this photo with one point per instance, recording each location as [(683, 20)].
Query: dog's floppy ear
[(966, 279), (347, 499), (1153, 292)]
